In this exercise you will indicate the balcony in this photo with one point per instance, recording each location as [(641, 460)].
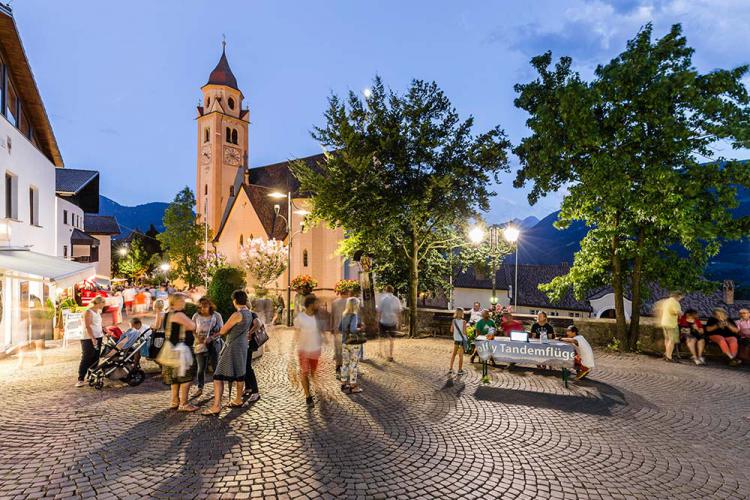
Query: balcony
[(87, 259)]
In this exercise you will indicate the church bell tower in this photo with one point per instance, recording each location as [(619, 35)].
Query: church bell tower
[(222, 142)]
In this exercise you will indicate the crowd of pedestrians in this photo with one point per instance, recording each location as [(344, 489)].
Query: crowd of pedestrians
[(192, 344)]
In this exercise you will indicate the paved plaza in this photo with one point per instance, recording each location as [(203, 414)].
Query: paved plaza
[(639, 428)]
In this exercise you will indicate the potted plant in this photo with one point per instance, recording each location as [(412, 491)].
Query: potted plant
[(348, 287)]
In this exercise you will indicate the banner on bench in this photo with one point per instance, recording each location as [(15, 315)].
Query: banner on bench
[(558, 354)]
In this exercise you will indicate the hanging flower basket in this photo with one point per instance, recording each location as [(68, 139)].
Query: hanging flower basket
[(304, 284)]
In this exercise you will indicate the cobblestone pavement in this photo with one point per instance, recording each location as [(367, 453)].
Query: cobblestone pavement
[(639, 428)]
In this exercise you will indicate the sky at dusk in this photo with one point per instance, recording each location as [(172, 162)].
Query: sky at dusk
[(121, 80)]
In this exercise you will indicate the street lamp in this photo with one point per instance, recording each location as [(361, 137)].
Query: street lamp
[(164, 267), (277, 195), (122, 251), (511, 235)]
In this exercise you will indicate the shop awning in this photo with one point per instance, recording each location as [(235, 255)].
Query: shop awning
[(63, 273)]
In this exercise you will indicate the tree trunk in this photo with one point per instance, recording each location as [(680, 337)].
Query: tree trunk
[(413, 286), (619, 291), (635, 287)]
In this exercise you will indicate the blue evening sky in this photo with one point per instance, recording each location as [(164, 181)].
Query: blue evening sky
[(121, 80)]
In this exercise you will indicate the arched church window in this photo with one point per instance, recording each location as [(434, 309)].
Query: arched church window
[(208, 101), (229, 135), (205, 189), (230, 102), (234, 136), (207, 135), (242, 241), (304, 258), (231, 190)]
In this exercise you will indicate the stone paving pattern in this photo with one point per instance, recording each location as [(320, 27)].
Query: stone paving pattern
[(639, 428)]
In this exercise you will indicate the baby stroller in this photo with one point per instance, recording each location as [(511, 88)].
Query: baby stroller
[(116, 363)]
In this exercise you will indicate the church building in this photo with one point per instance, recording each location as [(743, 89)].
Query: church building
[(238, 202)]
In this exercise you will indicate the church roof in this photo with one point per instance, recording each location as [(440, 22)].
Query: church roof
[(276, 176), (222, 73)]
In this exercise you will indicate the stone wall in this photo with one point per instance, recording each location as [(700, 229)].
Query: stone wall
[(599, 332)]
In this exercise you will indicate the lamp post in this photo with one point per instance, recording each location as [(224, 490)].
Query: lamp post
[(511, 234), (477, 235), (288, 219), (205, 239)]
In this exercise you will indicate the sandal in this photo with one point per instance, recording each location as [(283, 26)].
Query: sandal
[(187, 408), (211, 413), (236, 405), (355, 390), (174, 406)]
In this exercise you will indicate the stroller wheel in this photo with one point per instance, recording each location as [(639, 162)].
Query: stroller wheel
[(99, 384), (136, 377), (92, 381)]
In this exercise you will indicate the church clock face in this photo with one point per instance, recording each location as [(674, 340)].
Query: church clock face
[(206, 155), (232, 156)]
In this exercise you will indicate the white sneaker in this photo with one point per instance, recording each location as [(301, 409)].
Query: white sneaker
[(80, 383), (450, 372), (696, 361), (702, 360)]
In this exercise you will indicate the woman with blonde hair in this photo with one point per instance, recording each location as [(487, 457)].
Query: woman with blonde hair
[(352, 338), (178, 329), (458, 329)]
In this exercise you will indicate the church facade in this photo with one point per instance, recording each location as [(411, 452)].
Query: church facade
[(236, 200)]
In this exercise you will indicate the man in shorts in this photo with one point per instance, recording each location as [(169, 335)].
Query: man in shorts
[(389, 315), (309, 343), (670, 312)]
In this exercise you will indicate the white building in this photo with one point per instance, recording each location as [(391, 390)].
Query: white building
[(30, 270)]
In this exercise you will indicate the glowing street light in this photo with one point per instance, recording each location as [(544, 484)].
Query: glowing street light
[(164, 267), (511, 234), (367, 92), (476, 235), (277, 195), (122, 251)]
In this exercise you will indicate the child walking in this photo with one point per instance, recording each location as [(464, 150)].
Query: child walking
[(458, 329), (584, 360)]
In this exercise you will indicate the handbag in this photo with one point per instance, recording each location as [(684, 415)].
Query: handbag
[(260, 335), (355, 337), (464, 338)]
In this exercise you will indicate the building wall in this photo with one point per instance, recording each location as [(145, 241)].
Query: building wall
[(465, 298), (242, 221), (64, 230), (104, 266), (21, 158)]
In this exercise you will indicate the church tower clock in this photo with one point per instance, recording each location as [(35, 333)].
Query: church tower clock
[(222, 142)]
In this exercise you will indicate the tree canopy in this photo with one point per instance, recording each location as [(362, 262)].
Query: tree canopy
[(182, 239), (400, 170), (636, 150)]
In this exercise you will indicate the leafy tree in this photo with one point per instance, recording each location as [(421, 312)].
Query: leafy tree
[(626, 145), (182, 239), (402, 169), (134, 265), (225, 281)]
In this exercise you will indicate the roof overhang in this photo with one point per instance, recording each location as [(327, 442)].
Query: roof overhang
[(25, 85)]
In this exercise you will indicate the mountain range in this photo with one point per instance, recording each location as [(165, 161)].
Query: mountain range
[(136, 218), (541, 242)]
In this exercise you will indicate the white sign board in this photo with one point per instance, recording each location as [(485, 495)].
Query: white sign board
[(73, 326)]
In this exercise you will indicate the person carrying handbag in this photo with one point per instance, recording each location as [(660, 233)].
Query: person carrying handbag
[(458, 329), (352, 338), (257, 336), (176, 356)]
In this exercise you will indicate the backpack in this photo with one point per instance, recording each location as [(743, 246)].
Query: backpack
[(351, 337)]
